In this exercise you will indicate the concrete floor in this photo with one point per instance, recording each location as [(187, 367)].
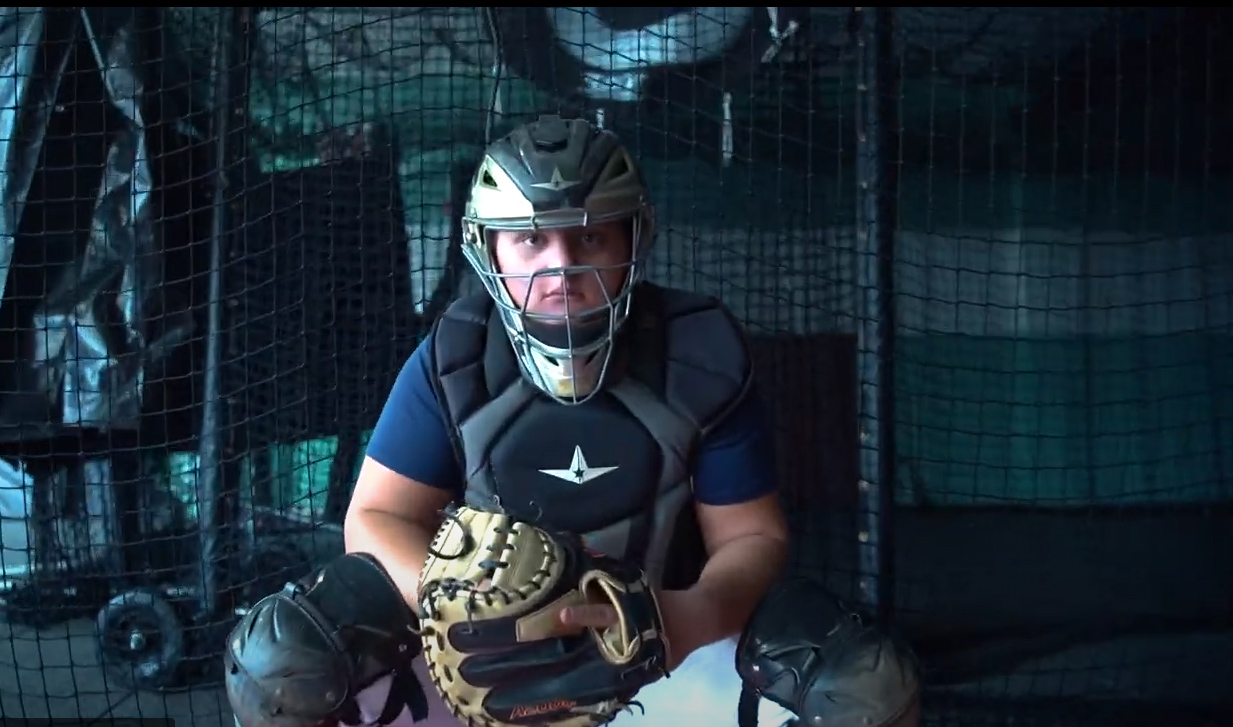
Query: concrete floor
[(962, 576), (54, 673)]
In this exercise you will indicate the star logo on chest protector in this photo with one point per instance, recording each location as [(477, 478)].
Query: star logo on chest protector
[(579, 472)]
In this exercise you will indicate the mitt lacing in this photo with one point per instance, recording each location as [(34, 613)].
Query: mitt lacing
[(451, 588)]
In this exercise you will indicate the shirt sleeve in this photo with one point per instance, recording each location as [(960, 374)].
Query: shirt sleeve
[(736, 463), (411, 437)]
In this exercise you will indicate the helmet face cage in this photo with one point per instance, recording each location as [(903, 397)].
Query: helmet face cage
[(571, 365)]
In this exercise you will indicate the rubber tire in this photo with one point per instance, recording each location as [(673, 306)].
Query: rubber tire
[(153, 670)]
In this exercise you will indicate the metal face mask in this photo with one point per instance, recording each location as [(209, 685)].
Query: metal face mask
[(563, 320)]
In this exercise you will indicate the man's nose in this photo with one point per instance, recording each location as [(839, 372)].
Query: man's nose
[(559, 255)]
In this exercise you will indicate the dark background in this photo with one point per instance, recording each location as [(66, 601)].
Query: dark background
[(1063, 523)]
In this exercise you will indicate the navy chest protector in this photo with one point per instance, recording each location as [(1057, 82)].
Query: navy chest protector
[(616, 469)]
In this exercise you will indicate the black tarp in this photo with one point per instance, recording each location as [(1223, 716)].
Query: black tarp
[(77, 232)]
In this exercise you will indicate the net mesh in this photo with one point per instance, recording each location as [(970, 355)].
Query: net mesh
[(1056, 207)]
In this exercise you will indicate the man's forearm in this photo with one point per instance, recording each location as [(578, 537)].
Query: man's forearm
[(400, 545), (734, 580)]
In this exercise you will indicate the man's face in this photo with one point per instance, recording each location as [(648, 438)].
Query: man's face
[(520, 253)]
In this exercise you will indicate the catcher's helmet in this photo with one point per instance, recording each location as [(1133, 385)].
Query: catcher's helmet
[(557, 173)]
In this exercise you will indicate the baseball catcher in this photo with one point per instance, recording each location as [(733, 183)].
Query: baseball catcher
[(490, 595), (572, 395), (303, 656), (808, 652)]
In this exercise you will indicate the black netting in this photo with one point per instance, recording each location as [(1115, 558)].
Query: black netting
[(982, 254)]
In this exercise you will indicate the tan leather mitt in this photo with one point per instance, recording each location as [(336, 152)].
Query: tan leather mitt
[(490, 596)]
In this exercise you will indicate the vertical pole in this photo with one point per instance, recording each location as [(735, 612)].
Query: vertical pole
[(875, 239), (217, 493)]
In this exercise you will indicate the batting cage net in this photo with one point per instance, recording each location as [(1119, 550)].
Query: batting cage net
[(983, 256)]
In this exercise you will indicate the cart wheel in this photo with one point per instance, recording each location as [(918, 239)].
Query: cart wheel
[(140, 640)]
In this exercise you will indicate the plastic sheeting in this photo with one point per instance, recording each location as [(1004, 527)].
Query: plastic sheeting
[(76, 285)]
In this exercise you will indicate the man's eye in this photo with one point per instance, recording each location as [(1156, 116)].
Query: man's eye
[(592, 240), (532, 240)]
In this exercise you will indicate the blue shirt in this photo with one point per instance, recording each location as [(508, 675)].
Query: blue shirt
[(736, 462)]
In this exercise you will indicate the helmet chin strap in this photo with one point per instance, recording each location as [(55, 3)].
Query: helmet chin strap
[(567, 379)]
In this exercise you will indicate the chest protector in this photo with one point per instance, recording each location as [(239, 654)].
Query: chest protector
[(615, 469)]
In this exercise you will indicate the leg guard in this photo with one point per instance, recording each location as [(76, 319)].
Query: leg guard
[(805, 650)]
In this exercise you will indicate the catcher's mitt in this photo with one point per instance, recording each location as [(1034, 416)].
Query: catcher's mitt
[(809, 653), (300, 657), (490, 597)]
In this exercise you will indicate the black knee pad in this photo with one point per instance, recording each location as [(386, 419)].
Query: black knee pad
[(808, 652)]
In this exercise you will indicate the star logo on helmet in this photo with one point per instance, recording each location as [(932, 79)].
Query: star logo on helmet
[(557, 183)]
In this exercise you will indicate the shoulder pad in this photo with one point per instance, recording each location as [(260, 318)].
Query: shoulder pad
[(710, 370), (474, 308), (460, 333)]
